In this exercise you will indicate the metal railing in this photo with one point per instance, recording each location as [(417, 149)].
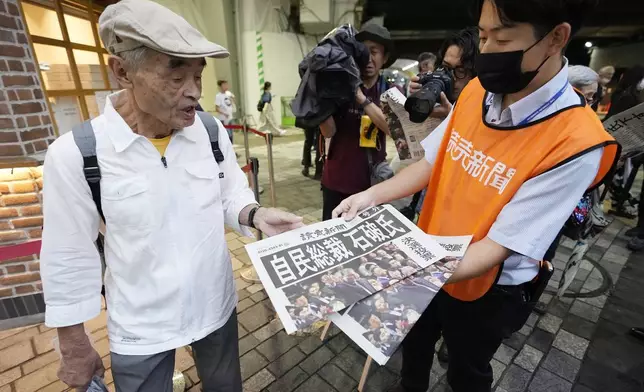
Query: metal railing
[(268, 139)]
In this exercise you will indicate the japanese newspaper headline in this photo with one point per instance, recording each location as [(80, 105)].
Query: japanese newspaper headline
[(323, 268)]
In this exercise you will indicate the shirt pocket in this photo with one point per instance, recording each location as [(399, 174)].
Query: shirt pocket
[(126, 201), (203, 185)]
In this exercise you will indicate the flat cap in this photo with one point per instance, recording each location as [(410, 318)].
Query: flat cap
[(131, 24)]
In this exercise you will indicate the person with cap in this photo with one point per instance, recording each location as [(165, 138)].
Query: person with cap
[(508, 166), (165, 199), (347, 169)]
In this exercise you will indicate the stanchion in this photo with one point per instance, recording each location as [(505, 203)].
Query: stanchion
[(246, 146), (271, 171), (249, 274)]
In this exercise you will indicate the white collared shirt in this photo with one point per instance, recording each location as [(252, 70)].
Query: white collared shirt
[(530, 222), (169, 277)]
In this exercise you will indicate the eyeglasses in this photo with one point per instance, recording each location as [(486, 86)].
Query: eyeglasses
[(459, 72), (590, 99)]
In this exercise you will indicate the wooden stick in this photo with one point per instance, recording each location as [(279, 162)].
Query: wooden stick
[(325, 330), (365, 373)]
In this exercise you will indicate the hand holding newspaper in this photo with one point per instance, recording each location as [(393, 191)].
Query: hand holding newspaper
[(312, 272), (407, 135)]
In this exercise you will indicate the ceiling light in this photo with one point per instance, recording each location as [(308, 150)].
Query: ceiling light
[(410, 66)]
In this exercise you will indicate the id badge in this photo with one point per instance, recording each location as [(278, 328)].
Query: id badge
[(368, 133)]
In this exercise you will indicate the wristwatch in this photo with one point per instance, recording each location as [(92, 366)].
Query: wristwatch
[(366, 102), (251, 216)]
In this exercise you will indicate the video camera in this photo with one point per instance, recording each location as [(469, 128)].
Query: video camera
[(421, 104)]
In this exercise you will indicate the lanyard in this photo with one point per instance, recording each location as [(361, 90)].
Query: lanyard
[(545, 106)]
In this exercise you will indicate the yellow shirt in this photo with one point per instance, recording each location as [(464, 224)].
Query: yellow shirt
[(161, 144)]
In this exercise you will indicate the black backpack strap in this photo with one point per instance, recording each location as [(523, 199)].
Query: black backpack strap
[(213, 132), (86, 143)]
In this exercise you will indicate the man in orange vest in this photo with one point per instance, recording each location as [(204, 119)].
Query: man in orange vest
[(508, 166)]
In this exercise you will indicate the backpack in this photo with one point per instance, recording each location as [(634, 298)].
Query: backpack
[(85, 140)]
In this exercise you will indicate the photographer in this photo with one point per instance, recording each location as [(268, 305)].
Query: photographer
[(347, 169), (457, 56), (508, 166)]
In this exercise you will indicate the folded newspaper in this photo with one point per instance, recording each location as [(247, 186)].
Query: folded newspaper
[(379, 323), (627, 128), (323, 268), (407, 135)]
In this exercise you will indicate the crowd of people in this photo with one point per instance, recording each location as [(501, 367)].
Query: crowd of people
[(345, 285), (389, 315)]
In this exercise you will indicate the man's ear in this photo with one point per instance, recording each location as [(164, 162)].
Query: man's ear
[(560, 37), (118, 68), (386, 58)]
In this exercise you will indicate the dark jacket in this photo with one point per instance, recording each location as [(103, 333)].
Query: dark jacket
[(330, 76)]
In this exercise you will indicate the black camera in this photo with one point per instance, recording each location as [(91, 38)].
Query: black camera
[(421, 104)]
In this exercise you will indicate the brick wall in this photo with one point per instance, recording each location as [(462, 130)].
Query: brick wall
[(20, 220), (25, 122)]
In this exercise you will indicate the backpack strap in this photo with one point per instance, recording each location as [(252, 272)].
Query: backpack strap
[(213, 132), (86, 143)]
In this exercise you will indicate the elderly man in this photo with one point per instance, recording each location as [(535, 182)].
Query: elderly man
[(585, 80), (165, 200)]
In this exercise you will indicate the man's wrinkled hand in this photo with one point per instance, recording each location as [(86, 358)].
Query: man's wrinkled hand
[(78, 365), (272, 221)]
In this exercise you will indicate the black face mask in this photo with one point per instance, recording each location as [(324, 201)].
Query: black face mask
[(500, 73)]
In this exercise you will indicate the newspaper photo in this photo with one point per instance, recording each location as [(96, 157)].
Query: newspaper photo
[(323, 268), (627, 128), (379, 323), (407, 135)]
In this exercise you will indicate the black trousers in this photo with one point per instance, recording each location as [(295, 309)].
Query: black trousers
[(473, 331), (330, 200), (311, 141)]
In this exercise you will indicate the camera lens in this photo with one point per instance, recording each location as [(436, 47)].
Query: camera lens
[(421, 104)]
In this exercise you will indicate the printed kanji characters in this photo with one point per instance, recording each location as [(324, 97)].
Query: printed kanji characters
[(301, 262), (282, 269), (337, 249), (358, 240), (319, 256), (388, 226), (373, 232)]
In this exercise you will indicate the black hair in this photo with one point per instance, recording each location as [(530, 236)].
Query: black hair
[(267, 85), (543, 15), (221, 81), (629, 80), (426, 56), (466, 39)]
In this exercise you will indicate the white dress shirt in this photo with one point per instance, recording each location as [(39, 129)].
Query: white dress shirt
[(530, 222), (169, 277)]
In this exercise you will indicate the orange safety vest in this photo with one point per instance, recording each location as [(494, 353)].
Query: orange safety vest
[(480, 167)]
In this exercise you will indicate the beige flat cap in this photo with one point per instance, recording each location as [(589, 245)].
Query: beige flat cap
[(131, 24)]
